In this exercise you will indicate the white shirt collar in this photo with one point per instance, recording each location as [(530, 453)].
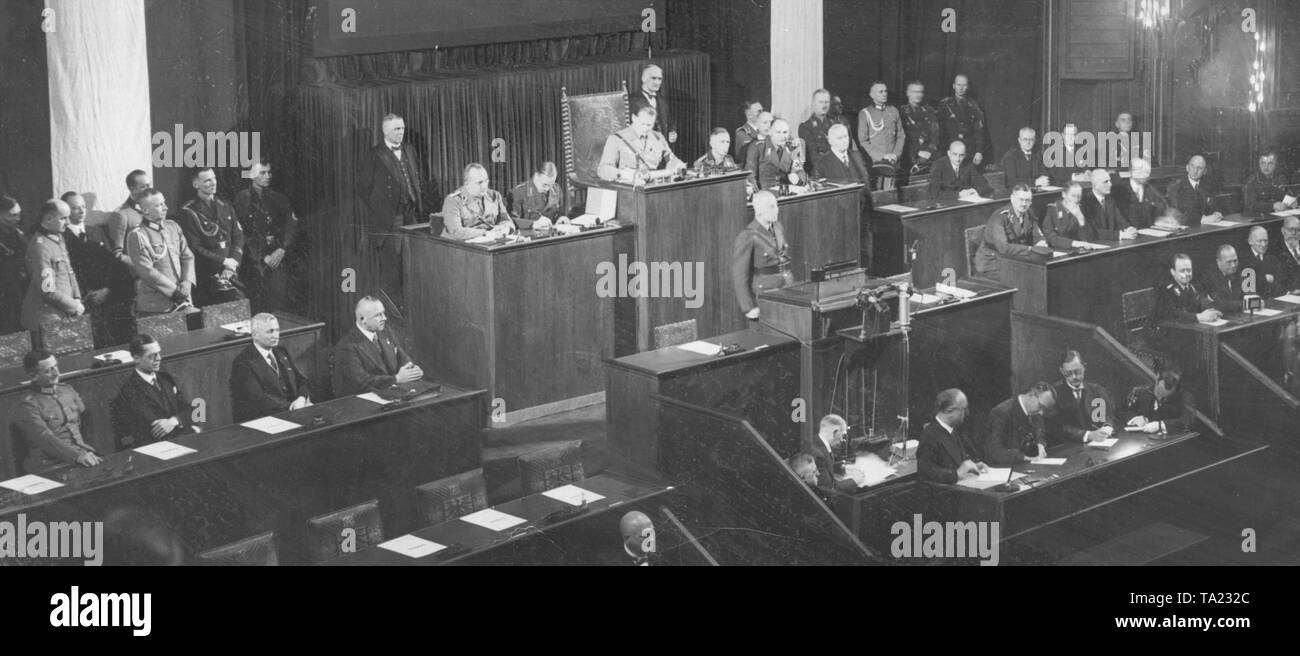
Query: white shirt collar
[(77, 229), (945, 426), (826, 442), (369, 335), (266, 353), (148, 378), (1021, 401)]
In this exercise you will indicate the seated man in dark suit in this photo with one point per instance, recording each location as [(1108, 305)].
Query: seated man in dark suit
[(825, 447), (1261, 266), (1180, 300), (1190, 197), (1016, 431), (1224, 285), (1138, 200), (263, 378), (368, 359), (1103, 213), (1163, 407), (1084, 411), (1288, 254), (953, 178), (1023, 163), (150, 407), (945, 454), (841, 164)]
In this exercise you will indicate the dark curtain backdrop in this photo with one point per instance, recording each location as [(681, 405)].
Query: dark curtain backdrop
[(453, 120), (316, 115)]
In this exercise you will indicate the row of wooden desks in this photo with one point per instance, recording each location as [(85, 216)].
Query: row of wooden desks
[(199, 360), (240, 481), (461, 542), (1089, 286)]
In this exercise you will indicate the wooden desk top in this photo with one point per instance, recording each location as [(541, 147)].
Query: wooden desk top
[(76, 366), (1239, 320), (828, 189), (1080, 460), (465, 539), (421, 230), (1235, 221), (125, 466), (672, 360), (669, 185), (929, 207)]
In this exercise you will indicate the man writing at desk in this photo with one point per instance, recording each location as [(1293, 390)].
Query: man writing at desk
[(953, 179), (1016, 431), (1083, 411), (263, 378), (945, 455), (637, 153), (1163, 407), (368, 359), (831, 433)]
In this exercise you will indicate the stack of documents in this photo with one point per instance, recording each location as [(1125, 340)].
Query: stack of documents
[(701, 347), (955, 291), (993, 477)]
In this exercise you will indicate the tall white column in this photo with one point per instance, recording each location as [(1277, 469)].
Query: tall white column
[(99, 97), (796, 57)]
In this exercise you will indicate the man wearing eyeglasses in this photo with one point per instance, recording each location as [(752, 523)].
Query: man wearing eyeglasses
[(1084, 411), (150, 407)]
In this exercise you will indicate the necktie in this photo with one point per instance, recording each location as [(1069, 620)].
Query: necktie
[(845, 158), (156, 385), (384, 356), (270, 359)]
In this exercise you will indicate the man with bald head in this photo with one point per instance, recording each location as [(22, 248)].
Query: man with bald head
[(1102, 212), (1261, 265), (651, 95), (1223, 285), (953, 177), (263, 377), (1288, 254), (53, 294), (760, 259), (1190, 196), (638, 537), (475, 209), (777, 161), (1137, 199), (946, 454), (368, 358), (843, 164)]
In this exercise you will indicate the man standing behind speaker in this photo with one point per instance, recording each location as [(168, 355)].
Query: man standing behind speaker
[(388, 186), (651, 94)]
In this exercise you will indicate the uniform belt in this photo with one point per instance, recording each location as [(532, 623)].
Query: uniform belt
[(769, 270)]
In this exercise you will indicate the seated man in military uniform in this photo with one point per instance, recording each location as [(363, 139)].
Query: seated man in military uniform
[(760, 260), (537, 198), (475, 209), (637, 153), (48, 419), (717, 161)]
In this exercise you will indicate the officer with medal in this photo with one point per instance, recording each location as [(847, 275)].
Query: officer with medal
[(637, 153), (962, 119), (760, 259), (216, 239), (160, 258), (475, 209)]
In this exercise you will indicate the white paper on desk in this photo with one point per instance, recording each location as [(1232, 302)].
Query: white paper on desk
[(973, 199), (1091, 245), (1059, 253), (1103, 444), (572, 495), (1221, 222), (1153, 232), (493, 519), (244, 327), (164, 450), (270, 425), (374, 398), (1289, 298), (869, 470), (30, 484), (954, 291), (988, 480), (701, 347), (120, 356), (1267, 312), (1293, 212), (482, 239), (567, 229), (409, 545), (1216, 322), (1049, 188), (923, 298), (600, 203), (897, 208), (1050, 462), (1288, 199)]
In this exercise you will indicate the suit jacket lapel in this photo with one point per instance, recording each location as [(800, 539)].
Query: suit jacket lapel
[(371, 350)]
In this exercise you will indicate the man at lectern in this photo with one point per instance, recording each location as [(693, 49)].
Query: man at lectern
[(638, 153)]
